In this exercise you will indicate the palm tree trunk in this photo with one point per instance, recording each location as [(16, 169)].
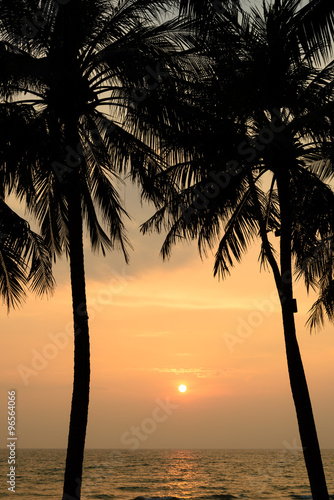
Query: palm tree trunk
[(80, 397), (298, 383)]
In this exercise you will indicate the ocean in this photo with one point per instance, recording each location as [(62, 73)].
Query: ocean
[(167, 474)]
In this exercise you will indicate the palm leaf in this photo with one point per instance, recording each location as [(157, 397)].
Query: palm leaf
[(24, 259)]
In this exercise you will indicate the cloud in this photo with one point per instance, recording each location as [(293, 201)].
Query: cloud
[(198, 372)]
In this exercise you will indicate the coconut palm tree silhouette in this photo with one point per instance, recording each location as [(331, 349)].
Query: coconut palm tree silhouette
[(92, 75), (260, 118)]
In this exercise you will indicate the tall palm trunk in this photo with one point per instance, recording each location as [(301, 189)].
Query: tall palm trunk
[(298, 383), (80, 397)]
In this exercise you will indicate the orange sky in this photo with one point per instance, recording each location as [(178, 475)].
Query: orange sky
[(154, 326)]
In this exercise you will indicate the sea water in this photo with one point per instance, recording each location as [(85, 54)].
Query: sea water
[(168, 474)]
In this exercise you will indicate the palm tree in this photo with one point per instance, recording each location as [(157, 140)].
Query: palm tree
[(266, 111), (94, 73)]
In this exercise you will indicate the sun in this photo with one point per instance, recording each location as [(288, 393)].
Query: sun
[(182, 388)]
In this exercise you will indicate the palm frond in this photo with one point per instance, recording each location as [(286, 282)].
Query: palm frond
[(324, 305), (240, 231), (25, 259), (315, 23)]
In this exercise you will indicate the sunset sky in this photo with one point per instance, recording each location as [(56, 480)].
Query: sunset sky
[(155, 326)]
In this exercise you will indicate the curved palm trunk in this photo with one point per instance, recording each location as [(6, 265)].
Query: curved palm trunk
[(80, 397), (298, 383)]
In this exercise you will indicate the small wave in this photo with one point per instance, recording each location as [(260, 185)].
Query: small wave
[(130, 488), (156, 498), (95, 466), (100, 497), (218, 497)]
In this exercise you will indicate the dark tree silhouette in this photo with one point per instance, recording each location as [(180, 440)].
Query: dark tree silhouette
[(92, 74), (263, 115)]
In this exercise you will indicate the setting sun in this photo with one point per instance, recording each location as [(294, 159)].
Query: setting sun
[(182, 388)]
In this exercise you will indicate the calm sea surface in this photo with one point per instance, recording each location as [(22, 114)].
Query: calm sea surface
[(181, 474)]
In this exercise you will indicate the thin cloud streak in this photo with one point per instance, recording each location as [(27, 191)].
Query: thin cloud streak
[(199, 372)]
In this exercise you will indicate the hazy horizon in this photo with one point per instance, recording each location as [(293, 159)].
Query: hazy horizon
[(155, 326)]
